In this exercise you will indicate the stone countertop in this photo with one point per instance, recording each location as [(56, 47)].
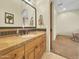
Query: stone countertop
[(12, 42)]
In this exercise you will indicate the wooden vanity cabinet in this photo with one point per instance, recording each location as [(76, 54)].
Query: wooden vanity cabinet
[(30, 50), (30, 54), (33, 49), (40, 46), (43, 45), (15, 54)]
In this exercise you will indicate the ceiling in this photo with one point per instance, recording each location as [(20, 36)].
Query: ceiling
[(65, 5)]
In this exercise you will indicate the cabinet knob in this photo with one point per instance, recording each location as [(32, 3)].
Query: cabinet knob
[(23, 57), (14, 56), (36, 47)]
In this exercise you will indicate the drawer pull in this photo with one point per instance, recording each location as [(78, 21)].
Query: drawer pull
[(14, 56), (23, 57)]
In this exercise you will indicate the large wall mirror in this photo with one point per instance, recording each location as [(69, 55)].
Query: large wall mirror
[(28, 15)]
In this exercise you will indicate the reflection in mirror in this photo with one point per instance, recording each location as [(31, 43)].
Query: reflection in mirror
[(28, 15)]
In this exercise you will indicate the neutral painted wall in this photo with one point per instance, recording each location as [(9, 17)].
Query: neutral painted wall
[(43, 8), (15, 7), (66, 23), (54, 22), (10, 6)]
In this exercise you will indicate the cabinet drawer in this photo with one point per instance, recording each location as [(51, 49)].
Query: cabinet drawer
[(29, 45), (15, 54), (30, 54), (39, 39)]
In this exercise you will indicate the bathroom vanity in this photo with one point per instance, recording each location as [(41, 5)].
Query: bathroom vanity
[(28, 46)]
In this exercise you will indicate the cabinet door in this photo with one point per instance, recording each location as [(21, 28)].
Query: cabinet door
[(43, 46), (37, 52), (30, 50), (30, 54), (10, 55), (15, 54), (40, 47), (20, 53)]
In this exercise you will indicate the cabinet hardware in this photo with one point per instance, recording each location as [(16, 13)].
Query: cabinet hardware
[(14, 56), (36, 47), (23, 57)]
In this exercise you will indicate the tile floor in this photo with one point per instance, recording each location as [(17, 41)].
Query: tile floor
[(52, 56)]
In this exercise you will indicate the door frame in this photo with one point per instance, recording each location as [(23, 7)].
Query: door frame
[(51, 23)]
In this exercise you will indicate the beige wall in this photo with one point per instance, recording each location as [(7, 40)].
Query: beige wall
[(54, 22), (11, 6), (66, 23), (41, 10)]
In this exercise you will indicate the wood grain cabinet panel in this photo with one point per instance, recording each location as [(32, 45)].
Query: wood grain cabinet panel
[(20, 53), (40, 47), (35, 48), (15, 54), (43, 46), (37, 52), (30, 54), (30, 50)]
